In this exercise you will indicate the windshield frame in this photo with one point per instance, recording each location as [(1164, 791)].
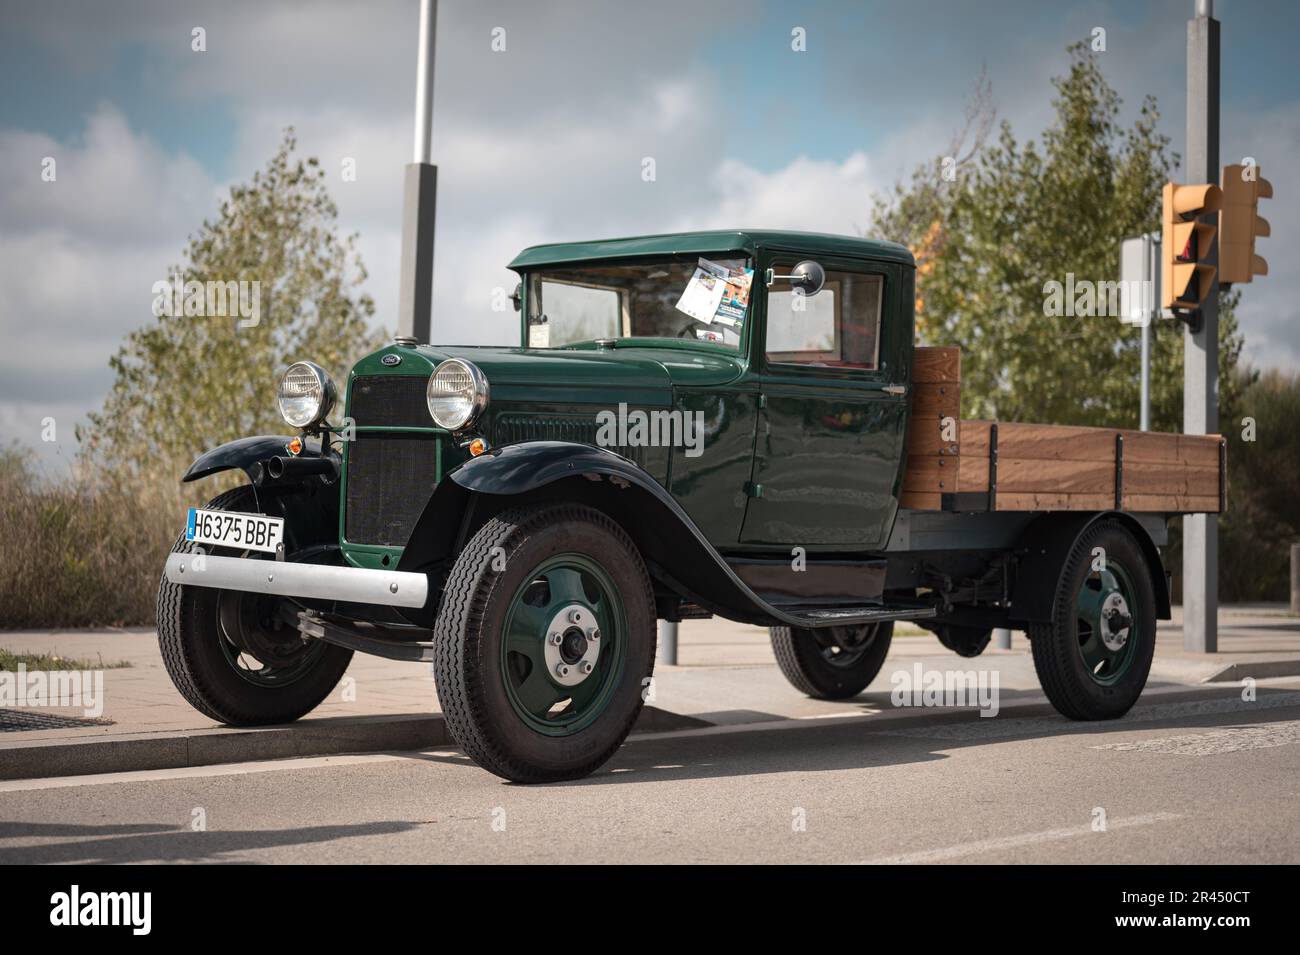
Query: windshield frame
[(739, 350)]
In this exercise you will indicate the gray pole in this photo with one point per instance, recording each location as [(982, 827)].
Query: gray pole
[(1201, 348), (1148, 311), (419, 197), (667, 643), (1295, 578)]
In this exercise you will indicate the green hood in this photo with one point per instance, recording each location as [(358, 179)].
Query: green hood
[(632, 373)]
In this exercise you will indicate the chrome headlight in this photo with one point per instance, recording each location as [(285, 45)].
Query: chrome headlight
[(305, 395), (457, 394)]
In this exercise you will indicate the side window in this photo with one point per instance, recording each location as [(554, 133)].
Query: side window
[(838, 327)]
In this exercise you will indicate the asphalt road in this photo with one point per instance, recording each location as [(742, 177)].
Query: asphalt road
[(1199, 776)]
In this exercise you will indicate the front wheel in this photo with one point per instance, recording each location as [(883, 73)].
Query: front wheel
[(1093, 658), (544, 642), (230, 655), (831, 663)]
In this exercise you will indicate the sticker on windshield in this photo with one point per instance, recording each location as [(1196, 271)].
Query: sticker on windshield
[(735, 298), (704, 291), (716, 293), (539, 336)]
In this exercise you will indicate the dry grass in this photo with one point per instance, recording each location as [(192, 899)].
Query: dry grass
[(77, 554)]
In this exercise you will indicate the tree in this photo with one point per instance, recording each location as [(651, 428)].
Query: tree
[(1263, 517), (1017, 217), (207, 374)]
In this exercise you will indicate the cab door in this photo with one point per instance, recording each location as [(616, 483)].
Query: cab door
[(832, 408)]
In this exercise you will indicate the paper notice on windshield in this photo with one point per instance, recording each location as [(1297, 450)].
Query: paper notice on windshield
[(539, 336), (735, 298), (704, 291)]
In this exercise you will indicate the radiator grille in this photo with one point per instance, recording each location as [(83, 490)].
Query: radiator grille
[(390, 401), (514, 429), (390, 478)]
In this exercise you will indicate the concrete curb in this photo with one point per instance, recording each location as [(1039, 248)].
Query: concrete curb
[(129, 752), (1256, 670)]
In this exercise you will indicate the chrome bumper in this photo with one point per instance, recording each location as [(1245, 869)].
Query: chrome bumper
[(352, 584)]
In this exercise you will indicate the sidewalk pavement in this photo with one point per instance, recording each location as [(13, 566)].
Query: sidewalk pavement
[(725, 676)]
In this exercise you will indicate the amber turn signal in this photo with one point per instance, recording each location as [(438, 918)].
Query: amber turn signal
[(477, 447)]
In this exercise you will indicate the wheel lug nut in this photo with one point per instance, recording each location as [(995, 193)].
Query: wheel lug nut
[(562, 670), (593, 634), (575, 615), (556, 639), (587, 667)]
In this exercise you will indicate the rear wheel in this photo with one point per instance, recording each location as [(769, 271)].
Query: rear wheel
[(230, 655), (831, 663), (1094, 656), (545, 642)]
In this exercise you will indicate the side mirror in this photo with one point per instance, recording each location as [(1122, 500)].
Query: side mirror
[(517, 296), (808, 276)]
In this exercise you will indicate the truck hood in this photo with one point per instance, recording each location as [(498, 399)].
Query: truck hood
[(639, 369)]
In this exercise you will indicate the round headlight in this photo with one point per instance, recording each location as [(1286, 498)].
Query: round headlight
[(457, 394), (305, 395)]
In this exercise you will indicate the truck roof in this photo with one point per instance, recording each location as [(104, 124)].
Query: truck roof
[(721, 240)]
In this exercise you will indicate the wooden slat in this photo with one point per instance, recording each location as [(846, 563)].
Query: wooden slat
[(936, 399), (1048, 501), (925, 436), (930, 473), (941, 363), (1172, 504), (920, 502)]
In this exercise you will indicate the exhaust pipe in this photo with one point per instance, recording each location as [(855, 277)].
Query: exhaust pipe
[(280, 468)]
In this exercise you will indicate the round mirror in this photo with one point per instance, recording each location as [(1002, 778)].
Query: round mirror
[(808, 276)]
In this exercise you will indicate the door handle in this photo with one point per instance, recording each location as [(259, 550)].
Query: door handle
[(895, 389)]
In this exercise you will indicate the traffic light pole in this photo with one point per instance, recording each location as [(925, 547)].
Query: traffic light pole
[(419, 196), (1201, 346)]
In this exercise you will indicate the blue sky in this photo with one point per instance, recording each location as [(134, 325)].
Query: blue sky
[(543, 141)]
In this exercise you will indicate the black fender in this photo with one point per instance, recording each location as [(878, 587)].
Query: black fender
[(1046, 544), (675, 550), (309, 505)]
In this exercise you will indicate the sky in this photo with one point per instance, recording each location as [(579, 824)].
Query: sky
[(541, 141)]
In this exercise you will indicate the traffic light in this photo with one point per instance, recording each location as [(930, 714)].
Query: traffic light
[(1186, 276), (1240, 224)]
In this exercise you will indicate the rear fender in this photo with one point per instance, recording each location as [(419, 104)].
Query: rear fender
[(1043, 550)]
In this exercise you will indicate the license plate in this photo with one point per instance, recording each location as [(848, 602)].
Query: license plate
[(232, 529)]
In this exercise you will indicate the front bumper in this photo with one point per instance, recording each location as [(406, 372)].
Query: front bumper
[(323, 582)]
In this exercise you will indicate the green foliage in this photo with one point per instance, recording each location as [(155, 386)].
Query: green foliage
[(184, 384), (1021, 215), (1263, 517)]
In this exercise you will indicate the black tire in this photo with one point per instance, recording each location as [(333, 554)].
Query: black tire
[(1058, 658), (808, 658), (469, 636), (197, 651)]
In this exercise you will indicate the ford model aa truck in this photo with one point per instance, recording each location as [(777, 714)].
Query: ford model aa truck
[(718, 423)]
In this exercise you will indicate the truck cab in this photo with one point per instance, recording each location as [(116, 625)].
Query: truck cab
[(731, 423)]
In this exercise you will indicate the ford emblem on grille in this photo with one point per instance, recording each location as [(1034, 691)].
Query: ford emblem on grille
[(392, 359)]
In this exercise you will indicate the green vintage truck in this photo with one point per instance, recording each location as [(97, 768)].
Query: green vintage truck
[(730, 423)]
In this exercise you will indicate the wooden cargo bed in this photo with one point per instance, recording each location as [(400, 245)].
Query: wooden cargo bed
[(956, 465)]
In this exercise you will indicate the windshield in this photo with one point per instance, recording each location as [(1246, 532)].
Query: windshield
[(698, 299)]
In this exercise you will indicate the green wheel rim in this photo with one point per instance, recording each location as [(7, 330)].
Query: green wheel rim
[(1107, 622), (536, 692)]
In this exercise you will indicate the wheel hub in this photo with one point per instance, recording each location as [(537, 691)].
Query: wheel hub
[(1116, 621), (572, 645)]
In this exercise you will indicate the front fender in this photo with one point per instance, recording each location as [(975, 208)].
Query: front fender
[(246, 454), (308, 505), (674, 548)]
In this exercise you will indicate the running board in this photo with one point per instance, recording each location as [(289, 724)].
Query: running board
[(853, 616)]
